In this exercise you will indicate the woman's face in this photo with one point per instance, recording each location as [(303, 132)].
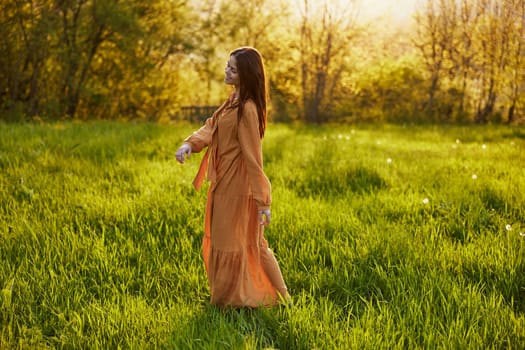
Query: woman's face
[(231, 75)]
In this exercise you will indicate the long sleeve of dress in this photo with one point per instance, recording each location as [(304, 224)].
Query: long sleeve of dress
[(202, 137), (251, 147)]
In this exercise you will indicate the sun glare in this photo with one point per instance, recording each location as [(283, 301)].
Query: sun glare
[(396, 11)]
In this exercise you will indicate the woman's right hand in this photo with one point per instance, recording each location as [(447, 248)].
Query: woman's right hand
[(183, 152)]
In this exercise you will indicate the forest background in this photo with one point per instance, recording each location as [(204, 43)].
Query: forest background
[(453, 61)]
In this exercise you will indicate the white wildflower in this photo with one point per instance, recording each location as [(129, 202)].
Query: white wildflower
[(484, 146), (522, 234), (425, 201), (389, 160), (508, 227), (474, 177)]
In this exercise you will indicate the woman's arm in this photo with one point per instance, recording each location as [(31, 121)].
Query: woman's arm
[(202, 137), (199, 139), (251, 147)]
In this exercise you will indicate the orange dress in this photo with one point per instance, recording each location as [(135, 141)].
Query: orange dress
[(241, 269)]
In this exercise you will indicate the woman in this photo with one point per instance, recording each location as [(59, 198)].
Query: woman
[(242, 270)]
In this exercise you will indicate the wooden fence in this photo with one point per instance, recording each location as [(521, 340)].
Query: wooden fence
[(196, 114)]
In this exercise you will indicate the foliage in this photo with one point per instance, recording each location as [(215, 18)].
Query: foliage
[(384, 235), (98, 58), (129, 59), (389, 91), (326, 34), (473, 56), (225, 25)]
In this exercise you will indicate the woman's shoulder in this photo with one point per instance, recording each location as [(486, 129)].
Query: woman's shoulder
[(249, 110)]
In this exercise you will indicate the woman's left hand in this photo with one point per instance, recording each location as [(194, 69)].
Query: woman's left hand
[(264, 217)]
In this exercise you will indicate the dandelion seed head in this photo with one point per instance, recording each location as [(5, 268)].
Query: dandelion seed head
[(474, 177), (508, 227), (389, 160), (425, 201)]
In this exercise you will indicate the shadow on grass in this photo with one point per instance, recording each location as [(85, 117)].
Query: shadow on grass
[(210, 327), (333, 183), (518, 133), (328, 174)]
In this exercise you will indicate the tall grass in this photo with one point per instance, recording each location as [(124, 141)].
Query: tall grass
[(389, 237)]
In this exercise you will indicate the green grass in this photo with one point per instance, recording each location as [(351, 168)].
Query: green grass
[(384, 237)]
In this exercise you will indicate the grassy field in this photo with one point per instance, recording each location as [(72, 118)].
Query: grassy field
[(389, 237)]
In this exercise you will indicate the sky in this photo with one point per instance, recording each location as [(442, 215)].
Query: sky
[(397, 10), (394, 11)]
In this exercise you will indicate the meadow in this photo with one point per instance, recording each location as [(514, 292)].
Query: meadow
[(388, 236)]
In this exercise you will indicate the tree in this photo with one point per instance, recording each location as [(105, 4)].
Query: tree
[(84, 27), (463, 52), (91, 58), (473, 51), (515, 77), (325, 38), (221, 26), (436, 30), (26, 52)]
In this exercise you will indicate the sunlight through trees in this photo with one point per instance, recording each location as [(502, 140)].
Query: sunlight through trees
[(457, 61)]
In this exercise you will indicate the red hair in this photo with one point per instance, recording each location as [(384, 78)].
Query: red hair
[(252, 82)]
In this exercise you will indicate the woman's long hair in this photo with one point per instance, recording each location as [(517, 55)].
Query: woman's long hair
[(252, 82)]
